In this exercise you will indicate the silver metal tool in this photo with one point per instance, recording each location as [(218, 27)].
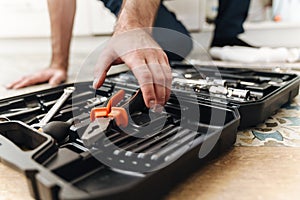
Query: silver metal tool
[(239, 93), (3, 119), (64, 97)]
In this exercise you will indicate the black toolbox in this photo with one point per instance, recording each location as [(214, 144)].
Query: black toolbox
[(155, 151)]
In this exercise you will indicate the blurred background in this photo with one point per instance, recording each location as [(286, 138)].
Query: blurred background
[(25, 30), (29, 18)]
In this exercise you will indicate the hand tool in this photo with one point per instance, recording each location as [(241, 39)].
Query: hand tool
[(105, 90), (59, 130), (104, 117), (83, 106), (3, 119), (64, 97), (239, 93), (13, 103), (203, 82), (220, 82), (101, 119), (234, 89), (239, 75), (230, 92), (76, 98), (22, 112), (95, 101)]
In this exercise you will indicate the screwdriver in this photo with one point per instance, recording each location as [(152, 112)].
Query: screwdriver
[(59, 130)]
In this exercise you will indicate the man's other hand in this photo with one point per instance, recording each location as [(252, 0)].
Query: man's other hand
[(54, 76)]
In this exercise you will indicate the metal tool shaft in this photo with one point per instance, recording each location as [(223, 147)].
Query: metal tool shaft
[(64, 97)]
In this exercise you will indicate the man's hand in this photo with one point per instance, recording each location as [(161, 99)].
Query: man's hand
[(54, 76), (133, 45), (62, 13), (145, 58)]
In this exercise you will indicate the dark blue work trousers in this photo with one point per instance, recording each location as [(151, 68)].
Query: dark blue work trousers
[(230, 18), (229, 23)]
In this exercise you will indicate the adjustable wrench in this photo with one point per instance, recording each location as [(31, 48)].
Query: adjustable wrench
[(64, 97)]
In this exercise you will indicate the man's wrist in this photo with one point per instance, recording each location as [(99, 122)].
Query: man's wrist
[(127, 25), (137, 14), (63, 65)]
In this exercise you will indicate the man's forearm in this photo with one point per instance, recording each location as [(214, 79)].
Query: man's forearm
[(137, 14), (62, 14)]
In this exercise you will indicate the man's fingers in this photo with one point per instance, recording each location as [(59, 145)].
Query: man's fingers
[(165, 66), (54, 76), (28, 81), (145, 79), (146, 60), (106, 58), (162, 76), (153, 74), (12, 84), (158, 83), (57, 78)]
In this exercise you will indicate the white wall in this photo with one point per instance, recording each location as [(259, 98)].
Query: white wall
[(23, 18), (29, 18)]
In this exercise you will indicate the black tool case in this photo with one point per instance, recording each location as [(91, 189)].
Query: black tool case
[(199, 122), (259, 93)]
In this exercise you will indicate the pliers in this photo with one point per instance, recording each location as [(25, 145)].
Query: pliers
[(103, 118)]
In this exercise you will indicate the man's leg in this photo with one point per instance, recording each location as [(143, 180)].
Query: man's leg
[(176, 46), (229, 22)]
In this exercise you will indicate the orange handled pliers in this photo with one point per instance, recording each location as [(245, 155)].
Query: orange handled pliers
[(119, 114), (102, 117)]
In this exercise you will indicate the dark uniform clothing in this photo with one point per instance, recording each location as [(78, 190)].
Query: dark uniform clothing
[(229, 22)]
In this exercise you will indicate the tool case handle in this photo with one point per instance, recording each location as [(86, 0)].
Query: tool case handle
[(22, 146)]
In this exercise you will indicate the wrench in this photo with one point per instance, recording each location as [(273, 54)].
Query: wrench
[(64, 97)]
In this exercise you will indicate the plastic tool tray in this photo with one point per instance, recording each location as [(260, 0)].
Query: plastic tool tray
[(256, 94), (154, 151)]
